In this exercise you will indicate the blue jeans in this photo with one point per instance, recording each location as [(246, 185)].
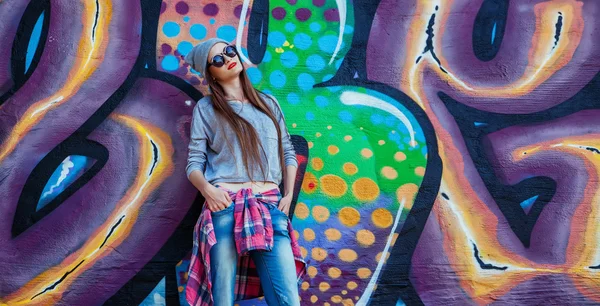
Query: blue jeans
[(276, 269)]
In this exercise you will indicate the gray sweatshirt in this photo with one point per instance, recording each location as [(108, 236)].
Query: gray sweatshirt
[(209, 152)]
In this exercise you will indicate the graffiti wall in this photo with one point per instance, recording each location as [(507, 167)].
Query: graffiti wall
[(448, 148)]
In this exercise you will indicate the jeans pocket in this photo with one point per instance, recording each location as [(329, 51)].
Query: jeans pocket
[(274, 209), (222, 211)]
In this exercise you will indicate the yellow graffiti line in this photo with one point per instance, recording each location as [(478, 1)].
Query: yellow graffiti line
[(582, 249), (546, 57), (416, 38), (96, 18), (466, 220), (155, 166), (584, 233)]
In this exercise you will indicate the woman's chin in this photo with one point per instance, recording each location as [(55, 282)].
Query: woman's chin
[(231, 74)]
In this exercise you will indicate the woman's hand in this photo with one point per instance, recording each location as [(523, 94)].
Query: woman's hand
[(285, 203), (216, 198)]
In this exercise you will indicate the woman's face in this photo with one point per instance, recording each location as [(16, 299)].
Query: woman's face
[(232, 67)]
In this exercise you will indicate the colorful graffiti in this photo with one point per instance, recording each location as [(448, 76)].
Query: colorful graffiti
[(447, 148)]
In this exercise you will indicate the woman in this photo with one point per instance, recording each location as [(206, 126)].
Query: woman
[(239, 152)]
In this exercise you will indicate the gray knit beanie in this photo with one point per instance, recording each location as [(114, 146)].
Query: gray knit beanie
[(198, 56)]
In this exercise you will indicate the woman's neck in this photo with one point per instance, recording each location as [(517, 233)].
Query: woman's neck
[(233, 89)]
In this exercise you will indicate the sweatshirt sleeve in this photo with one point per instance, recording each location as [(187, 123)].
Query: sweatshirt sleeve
[(198, 142), (289, 153)]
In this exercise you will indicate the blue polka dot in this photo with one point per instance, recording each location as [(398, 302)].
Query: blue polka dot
[(401, 128), (267, 57), (327, 77), (334, 88), (327, 43), (321, 101), (338, 63), (348, 29), (194, 71), (289, 59), (376, 119), (276, 39), (310, 116), (345, 116), (424, 150), (290, 27), (171, 29), (226, 32), (184, 47), (305, 81), (268, 92), (277, 79), (198, 31), (170, 63), (186, 18), (212, 21), (293, 98), (395, 137), (315, 63), (254, 74), (302, 41), (315, 27), (390, 121)]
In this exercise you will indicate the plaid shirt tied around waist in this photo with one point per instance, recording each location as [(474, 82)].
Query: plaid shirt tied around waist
[(253, 230)]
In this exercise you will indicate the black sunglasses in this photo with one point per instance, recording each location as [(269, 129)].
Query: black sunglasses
[(218, 60)]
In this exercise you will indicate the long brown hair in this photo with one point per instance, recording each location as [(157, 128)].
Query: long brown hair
[(245, 132)]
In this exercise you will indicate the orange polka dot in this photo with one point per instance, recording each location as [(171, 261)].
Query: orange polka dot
[(317, 163), (333, 185), (365, 237), (320, 213), (312, 271), (305, 285), (352, 285), (407, 193), (349, 216), (334, 272), (400, 156), (389, 173), (336, 299), (301, 211), (366, 153), (318, 254), (310, 183), (365, 189), (309, 234), (382, 218), (333, 150), (347, 255), (420, 171), (333, 234), (350, 168), (363, 272)]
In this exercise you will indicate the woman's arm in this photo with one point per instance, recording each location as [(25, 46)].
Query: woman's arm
[(289, 180), (196, 161), (216, 199)]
